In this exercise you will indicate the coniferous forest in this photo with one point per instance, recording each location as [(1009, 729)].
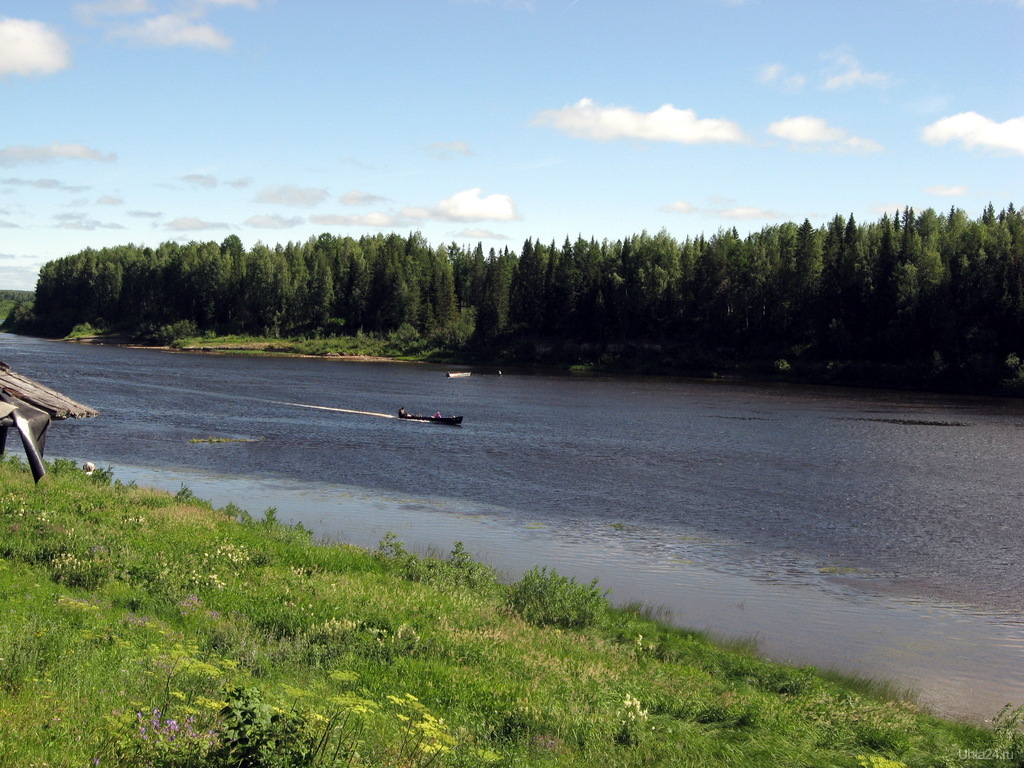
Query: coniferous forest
[(918, 299)]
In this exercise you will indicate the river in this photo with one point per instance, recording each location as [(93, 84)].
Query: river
[(877, 533)]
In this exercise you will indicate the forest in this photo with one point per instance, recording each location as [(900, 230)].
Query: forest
[(917, 298), (9, 299)]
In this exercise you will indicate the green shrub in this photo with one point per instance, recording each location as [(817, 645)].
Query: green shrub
[(167, 335), (1008, 726), (459, 570), (84, 329), (550, 599), (255, 734)]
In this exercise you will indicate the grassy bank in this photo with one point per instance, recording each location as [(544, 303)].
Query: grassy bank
[(361, 345), (140, 628), (393, 346)]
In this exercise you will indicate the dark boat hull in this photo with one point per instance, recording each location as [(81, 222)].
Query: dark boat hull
[(450, 420)]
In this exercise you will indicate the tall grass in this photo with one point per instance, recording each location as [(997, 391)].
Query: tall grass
[(139, 628)]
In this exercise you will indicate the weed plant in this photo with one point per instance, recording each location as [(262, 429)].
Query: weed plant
[(139, 628)]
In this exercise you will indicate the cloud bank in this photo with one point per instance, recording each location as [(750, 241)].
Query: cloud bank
[(976, 131), (468, 206), (587, 120), (171, 30), (814, 133), (24, 154), (725, 210)]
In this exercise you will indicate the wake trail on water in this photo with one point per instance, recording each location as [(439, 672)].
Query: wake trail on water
[(337, 410)]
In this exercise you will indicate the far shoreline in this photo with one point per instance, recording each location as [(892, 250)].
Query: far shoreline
[(749, 371), (261, 349)]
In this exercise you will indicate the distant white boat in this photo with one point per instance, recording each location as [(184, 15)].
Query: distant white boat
[(458, 374)]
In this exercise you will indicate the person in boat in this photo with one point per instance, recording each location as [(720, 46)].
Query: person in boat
[(401, 413), (437, 415)]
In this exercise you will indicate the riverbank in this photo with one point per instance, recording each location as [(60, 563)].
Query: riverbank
[(582, 359), (143, 627), (239, 346)]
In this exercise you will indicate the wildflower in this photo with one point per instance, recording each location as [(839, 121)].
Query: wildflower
[(632, 711), (632, 717), (190, 604)]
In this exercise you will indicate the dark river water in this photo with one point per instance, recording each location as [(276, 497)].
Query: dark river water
[(877, 533)]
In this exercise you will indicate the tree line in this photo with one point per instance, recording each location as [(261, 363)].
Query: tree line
[(938, 294), (10, 295)]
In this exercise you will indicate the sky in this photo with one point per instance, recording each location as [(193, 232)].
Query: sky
[(494, 121)]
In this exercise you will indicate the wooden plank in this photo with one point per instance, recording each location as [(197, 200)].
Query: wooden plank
[(50, 400)]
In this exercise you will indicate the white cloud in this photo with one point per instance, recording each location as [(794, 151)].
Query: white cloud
[(377, 220), (446, 149), (358, 197), (23, 154), (977, 131), (848, 72), (468, 205), (31, 48), (587, 120), (771, 72), (188, 224), (680, 206), (289, 195), (55, 184), (110, 200), (88, 12), (173, 29), (200, 180), (184, 27), (723, 209), (776, 74), (861, 146), (481, 234), (805, 130), (746, 213), (80, 221), (21, 278), (274, 222), (946, 191), (813, 132)]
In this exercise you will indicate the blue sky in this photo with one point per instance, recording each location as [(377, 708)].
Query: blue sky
[(143, 121)]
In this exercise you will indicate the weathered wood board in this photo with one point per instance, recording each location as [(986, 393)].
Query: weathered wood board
[(50, 400)]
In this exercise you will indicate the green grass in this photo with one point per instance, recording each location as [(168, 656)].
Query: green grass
[(143, 628), (397, 346)]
